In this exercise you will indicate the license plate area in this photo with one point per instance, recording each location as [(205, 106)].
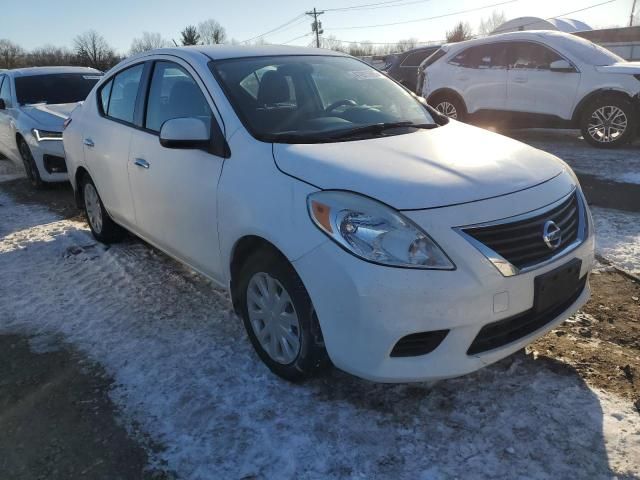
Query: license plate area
[(558, 285)]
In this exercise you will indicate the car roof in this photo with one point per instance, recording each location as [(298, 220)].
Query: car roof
[(33, 71), (224, 52), (522, 35)]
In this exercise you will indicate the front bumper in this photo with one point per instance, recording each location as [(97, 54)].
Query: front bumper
[(365, 309), (50, 159)]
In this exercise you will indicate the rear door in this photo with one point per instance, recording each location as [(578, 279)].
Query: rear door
[(175, 190), (481, 76), (107, 138), (533, 87), (7, 144)]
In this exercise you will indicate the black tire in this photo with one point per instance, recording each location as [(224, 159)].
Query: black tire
[(444, 101), (312, 356), (106, 231), (30, 166), (609, 111)]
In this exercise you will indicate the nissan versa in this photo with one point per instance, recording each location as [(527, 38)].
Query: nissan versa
[(352, 223)]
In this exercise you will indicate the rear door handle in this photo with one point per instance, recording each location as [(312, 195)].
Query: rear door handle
[(88, 142), (141, 163)]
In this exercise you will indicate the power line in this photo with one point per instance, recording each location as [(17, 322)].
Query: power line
[(365, 6), (460, 12), (296, 38), (275, 29)]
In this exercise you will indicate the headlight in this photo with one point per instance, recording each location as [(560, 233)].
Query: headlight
[(375, 232), (46, 135)]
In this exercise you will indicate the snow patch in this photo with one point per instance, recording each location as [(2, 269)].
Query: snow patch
[(618, 237), (186, 375)]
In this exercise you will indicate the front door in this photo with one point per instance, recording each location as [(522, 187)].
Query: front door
[(533, 87), (175, 190)]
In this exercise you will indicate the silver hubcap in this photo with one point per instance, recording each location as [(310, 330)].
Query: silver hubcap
[(607, 124), (273, 318), (448, 109), (92, 205)]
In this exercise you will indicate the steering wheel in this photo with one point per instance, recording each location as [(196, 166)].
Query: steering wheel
[(340, 103)]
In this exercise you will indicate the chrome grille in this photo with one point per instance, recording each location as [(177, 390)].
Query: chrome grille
[(520, 241)]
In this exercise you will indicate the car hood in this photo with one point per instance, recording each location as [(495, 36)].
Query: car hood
[(452, 164), (49, 116), (631, 68)]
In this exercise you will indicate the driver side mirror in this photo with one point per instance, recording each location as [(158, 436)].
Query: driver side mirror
[(187, 133), (561, 66), (3, 105)]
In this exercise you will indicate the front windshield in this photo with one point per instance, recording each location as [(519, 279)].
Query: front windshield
[(315, 97), (54, 88), (589, 52)]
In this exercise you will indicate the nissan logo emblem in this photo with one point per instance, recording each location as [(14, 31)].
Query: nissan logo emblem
[(551, 234)]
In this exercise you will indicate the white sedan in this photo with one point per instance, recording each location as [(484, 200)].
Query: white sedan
[(34, 103), (350, 222)]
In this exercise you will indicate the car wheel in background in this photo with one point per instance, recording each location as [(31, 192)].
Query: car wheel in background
[(30, 165), (279, 317), (608, 122), (449, 105), (104, 229)]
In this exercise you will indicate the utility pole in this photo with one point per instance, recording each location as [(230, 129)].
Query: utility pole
[(316, 26), (633, 9)]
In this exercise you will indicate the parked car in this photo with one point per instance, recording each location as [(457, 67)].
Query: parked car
[(403, 67), (34, 103), (349, 220), (537, 79)]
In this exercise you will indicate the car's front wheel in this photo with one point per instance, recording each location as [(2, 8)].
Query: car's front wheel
[(279, 317), (30, 166), (608, 122), (450, 106), (104, 229)]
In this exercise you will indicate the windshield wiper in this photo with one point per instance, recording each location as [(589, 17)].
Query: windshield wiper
[(378, 128)]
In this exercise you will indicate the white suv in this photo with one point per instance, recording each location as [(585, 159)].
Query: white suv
[(537, 79)]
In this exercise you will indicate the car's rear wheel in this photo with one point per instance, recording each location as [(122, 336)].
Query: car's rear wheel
[(450, 106), (104, 229), (279, 317), (608, 122), (30, 166)]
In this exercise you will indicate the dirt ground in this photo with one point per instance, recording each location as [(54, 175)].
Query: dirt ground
[(602, 341), (57, 420)]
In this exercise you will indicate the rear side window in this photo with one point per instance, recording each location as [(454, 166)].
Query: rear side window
[(531, 56), (122, 94), (174, 94), (481, 56)]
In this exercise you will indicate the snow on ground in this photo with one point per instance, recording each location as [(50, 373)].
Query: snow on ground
[(618, 237), (186, 376), (618, 165)]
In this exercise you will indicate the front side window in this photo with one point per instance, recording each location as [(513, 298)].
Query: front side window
[(313, 96), (122, 93), (54, 88), (531, 56), (174, 94)]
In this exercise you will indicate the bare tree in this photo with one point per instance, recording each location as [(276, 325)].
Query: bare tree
[(49, 55), (488, 25), (92, 50), (211, 32), (190, 35), (462, 31), (148, 41), (404, 45), (11, 54), (330, 42)]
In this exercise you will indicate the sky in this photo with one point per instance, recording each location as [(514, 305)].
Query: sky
[(120, 21)]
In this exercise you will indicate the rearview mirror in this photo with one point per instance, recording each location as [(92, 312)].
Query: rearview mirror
[(3, 106), (561, 66), (185, 133)]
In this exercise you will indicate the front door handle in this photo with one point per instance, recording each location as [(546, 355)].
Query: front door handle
[(141, 163), (88, 142)]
